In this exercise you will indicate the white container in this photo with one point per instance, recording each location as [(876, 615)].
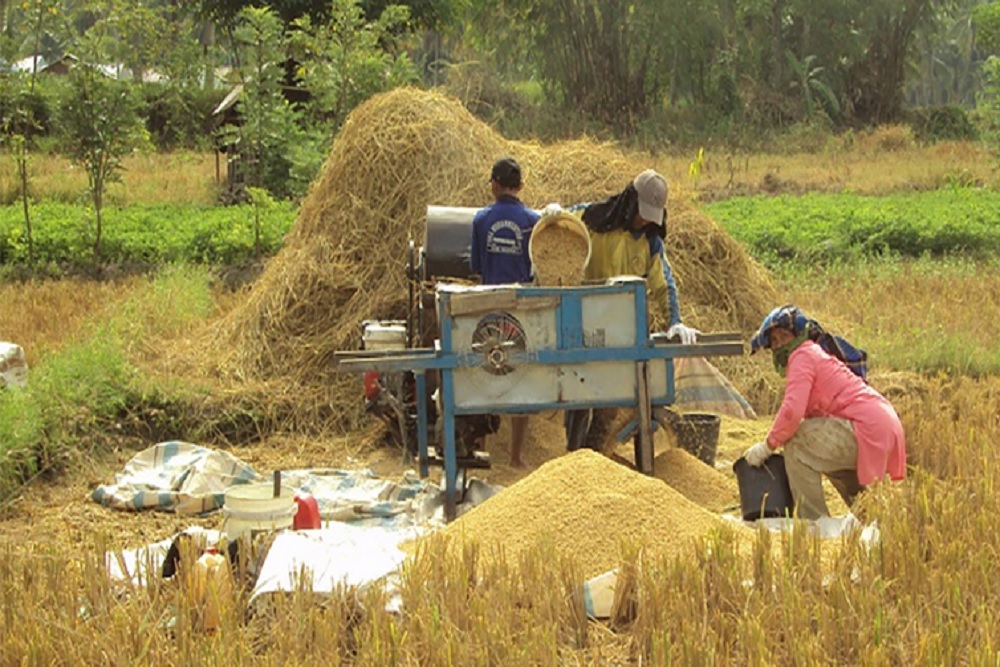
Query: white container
[(252, 508), (385, 336), (13, 367)]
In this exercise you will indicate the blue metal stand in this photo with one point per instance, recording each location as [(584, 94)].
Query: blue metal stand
[(571, 349)]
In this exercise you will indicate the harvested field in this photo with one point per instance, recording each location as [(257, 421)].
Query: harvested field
[(587, 507)]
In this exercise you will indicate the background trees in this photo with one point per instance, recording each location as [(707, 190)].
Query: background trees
[(669, 70)]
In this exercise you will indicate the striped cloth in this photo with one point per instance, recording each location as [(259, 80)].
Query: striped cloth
[(175, 477), (701, 387)]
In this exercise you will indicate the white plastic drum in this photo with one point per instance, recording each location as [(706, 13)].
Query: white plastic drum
[(252, 508)]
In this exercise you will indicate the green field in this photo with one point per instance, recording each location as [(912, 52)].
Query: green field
[(825, 228)]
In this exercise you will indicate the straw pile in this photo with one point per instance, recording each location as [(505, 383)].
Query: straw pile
[(343, 261), (587, 507), (701, 484)]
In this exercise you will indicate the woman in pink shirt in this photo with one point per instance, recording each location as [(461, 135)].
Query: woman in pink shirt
[(830, 421)]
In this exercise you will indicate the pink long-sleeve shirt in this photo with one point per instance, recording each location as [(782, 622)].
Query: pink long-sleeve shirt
[(819, 385)]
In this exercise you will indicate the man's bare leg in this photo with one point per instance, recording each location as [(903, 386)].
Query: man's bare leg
[(518, 434)]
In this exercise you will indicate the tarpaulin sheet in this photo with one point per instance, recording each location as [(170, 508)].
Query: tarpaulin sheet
[(335, 556), (701, 387), (175, 476), (361, 495)]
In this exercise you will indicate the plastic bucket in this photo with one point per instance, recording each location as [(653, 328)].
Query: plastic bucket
[(764, 491), (252, 508), (552, 224), (698, 433)]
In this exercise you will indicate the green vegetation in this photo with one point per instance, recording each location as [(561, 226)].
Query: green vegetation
[(79, 396), (825, 228), (147, 235)]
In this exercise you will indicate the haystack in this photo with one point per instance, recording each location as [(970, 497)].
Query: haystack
[(344, 260)]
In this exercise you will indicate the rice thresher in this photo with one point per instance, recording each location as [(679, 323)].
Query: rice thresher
[(512, 349)]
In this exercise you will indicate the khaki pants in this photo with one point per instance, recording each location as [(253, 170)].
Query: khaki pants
[(822, 446)]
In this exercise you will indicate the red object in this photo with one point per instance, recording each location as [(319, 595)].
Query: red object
[(371, 385), (307, 516)]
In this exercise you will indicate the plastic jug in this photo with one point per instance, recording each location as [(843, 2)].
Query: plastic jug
[(307, 517)]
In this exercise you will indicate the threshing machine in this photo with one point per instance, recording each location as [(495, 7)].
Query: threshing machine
[(490, 350)]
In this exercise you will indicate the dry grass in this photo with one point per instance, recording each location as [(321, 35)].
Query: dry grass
[(182, 177), (41, 315), (939, 315), (925, 595), (867, 167)]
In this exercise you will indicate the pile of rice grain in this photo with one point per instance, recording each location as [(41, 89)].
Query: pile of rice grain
[(559, 253), (699, 483), (588, 507)]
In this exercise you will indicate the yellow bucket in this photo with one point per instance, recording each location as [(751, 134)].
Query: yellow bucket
[(559, 250)]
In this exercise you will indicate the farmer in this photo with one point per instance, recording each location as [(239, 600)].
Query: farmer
[(500, 235), (627, 233), (830, 421)]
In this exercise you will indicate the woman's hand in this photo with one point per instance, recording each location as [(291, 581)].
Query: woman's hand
[(757, 454)]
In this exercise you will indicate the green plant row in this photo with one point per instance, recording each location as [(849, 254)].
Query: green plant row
[(64, 234), (831, 228)]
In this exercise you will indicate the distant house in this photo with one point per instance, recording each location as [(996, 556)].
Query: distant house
[(227, 113), (60, 66)]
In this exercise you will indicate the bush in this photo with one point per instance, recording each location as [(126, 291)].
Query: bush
[(179, 117), (887, 139), (947, 123), (38, 109), (813, 136)]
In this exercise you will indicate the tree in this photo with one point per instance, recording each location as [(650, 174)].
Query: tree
[(19, 123), (876, 83), (100, 118), (428, 14), (807, 80), (604, 57), (349, 58), (269, 127), (987, 19)]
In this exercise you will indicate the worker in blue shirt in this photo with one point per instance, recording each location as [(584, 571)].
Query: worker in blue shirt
[(500, 235), (500, 232)]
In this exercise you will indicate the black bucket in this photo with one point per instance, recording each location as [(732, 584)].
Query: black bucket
[(698, 433), (764, 491)]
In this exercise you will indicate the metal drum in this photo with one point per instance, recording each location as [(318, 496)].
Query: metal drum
[(448, 242)]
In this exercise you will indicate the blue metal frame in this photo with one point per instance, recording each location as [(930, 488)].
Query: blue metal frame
[(569, 349)]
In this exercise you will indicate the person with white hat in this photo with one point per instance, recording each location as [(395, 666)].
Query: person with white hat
[(627, 233)]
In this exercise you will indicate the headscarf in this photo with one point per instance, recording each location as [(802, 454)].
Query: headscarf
[(791, 318), (779, 355), (618, 212)]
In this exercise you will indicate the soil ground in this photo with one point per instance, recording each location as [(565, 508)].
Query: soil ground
[(60, 511)]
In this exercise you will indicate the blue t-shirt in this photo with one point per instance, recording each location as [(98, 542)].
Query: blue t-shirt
[(500, 235)]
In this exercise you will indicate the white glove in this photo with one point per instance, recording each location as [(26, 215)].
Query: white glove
[(687, 334), (757, 454), (552, 209)]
